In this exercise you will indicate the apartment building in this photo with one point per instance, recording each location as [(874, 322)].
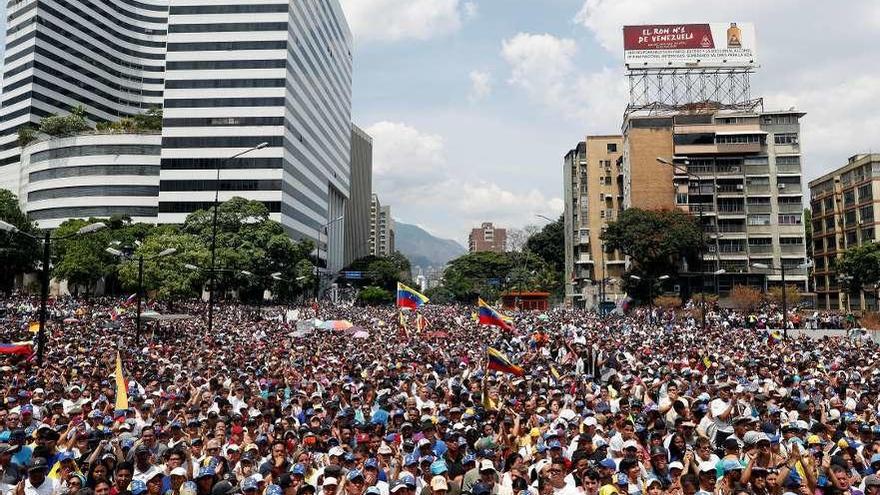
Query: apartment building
[(740, 172), (845, 205), (487, 237), (381, 228), (593, 198)]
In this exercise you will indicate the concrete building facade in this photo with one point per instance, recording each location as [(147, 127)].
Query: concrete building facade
[(845, 205), (381, 228), (357, 208), (593, 198), (106, 55), (91, 175), (487, 237), (741, 173)]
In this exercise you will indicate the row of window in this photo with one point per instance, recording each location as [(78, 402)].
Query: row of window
[(191, 206), (222, 163), (228, 9), (213, 46), (133, 15), (225, 185), (223, 121), (96, 150), (107, 26), (93, 211), (221, 141), (93, 170), (228, 27), (224, 83), (227, 64), (86, 191), (223, 102)]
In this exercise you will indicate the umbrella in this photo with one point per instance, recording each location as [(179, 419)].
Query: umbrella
[(336, 325), (361, 335)]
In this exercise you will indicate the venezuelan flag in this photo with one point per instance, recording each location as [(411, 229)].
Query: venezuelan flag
[(489, 316), (408, 297), (121, 387), (499, 362), (22, 348), (774, 337)]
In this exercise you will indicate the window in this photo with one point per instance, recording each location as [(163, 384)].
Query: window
[(227, 64), (85, 191), (790, 138), (213, 163), (849, 198), (95, 211), (759, 219), (90, 170), (828, 204), (791, 241), (866, 193), (738, 139), (698, 138), (867, 234), (851, 238), (831, 243), (189, 207), (789, 219), (818, 245), (95, 150), (681, 198), (849, 218), (829, 223), (611, 148), (788, 160), (225, 185), (866, 213), (820, 262)]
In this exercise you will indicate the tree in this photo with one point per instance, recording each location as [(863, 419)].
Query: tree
[(166, 275), (861, 267), (474, 275), (67, 125), (656, 241), (382, 271), (151, 120), (19, 253), (792, 295), (375, 296), (517, 238), (549, 244), (746, 298), (248, 240), (81, 260)]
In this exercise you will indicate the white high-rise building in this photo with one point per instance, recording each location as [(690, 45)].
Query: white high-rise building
[(106, 55), (229, 76)]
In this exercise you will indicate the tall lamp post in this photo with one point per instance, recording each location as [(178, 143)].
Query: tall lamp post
[(140, 287), (46, 268), (682, 170), (781, 270), (661, 278), (214, 231)]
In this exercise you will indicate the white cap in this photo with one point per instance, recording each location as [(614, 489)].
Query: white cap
[(676, 465), (439, 483), (706, 466), (330, 482), (590, 421), (630, 443), (487, 465), (336, 451), (424, 442), (178, 471)]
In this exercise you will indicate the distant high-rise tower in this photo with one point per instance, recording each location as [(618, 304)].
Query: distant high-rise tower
[(487, 238)]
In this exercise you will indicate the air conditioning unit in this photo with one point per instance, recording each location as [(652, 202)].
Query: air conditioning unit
[(739, 187), (781, 186)]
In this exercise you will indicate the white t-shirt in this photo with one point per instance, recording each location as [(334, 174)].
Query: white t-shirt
[(566, 490), (49, 487)]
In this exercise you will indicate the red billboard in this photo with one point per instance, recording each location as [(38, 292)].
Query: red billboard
[(689, 45)]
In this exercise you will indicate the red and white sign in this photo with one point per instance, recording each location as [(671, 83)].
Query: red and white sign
[(689, 45)]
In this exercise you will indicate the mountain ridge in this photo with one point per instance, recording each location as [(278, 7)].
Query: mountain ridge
[(422, 248)]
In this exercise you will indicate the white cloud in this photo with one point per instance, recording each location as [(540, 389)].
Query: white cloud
[(824, 76), (481, 85), (545, 66), (471, 10), (410, 170), (396, 20)]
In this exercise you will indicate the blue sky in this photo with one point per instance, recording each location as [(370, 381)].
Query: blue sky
[(473, 103)]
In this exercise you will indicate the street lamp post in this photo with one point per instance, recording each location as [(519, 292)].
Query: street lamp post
[(44, 282), (140, 286), (684, 171), (318, 275), (720, 271), (214, 231)]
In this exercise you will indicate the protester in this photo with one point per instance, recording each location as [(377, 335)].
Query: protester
[(647, 403)]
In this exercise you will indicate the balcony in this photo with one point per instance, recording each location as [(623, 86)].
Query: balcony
[(584, 259), (790, 189), (731, 211), (798, 249), (757, 169), (759, 189), (788, 169), (760, 248), (791, 208), (731, 190), (759, 208), (731, 229), (760, 229)]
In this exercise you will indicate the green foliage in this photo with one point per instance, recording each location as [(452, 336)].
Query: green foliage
[(145, 122), (488, 274), (440, 295), (166, 275), (655, 241), (383, 272), (73, 123), (375, 296), (549, 244), (19, 253), (81, 259), (247, 240), (27, 134), (862, 263)]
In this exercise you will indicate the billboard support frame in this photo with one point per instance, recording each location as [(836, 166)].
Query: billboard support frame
[(656, 91)]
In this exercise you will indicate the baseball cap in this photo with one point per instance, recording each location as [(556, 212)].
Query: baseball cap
[(396, 486), (439, 483), (487, 465), (298, 469), (730, 465), (136, 487), (178, 471), (608, 463), (330, 482), (248, 484), (706, 466), (480, 489)]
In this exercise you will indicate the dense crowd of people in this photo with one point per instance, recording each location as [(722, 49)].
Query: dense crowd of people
[(647, 403)]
